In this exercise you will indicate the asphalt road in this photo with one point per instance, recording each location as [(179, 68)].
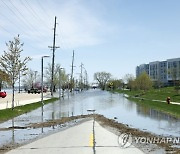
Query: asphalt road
[(86, 138)]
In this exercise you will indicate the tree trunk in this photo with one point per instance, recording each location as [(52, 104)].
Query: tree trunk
[(0, 85), (13, 96)]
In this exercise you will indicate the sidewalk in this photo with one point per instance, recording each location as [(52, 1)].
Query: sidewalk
[(78, 139), (176, 103), (21, 99)]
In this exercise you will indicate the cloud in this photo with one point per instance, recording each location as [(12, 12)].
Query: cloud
[(78, 25)]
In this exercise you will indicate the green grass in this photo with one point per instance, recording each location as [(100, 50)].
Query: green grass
[(156, 94), (7, 114), (173, 110)]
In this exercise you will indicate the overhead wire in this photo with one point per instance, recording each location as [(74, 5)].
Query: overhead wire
[(14, 13), (22, 19), (35, 14), (42, 8), (5, 30)]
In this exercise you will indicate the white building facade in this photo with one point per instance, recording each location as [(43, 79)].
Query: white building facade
[(165, 72)]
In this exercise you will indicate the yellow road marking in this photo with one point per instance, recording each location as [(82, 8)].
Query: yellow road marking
[(91, 139)]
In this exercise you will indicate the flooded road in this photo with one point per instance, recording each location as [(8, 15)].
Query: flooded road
[(105, 103)]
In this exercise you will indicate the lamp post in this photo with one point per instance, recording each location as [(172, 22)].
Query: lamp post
[(35, 74), (60, 82), (42, 78)]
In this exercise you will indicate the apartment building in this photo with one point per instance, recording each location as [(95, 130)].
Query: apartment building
[(165, 72)]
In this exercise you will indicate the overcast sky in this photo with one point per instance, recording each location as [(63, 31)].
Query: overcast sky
[(107, 35)]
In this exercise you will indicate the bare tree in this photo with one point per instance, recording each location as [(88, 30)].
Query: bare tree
[(63, 75), (11, 62), (102, 78), (30, 79), (129, 80)]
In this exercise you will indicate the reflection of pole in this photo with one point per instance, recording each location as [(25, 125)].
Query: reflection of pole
[(59, 83), (72, 69), (19, 82), (42, 119), (13, 130)]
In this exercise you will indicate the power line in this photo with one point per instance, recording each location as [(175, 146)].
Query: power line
[(5, 29), (10, 21), (35, 14), (13, 12), (22, 19), (42, 8)]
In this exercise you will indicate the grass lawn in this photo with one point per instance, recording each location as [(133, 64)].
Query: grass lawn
[(7, 114), (157, 94)]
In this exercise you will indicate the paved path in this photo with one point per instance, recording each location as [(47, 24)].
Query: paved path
[(77, 140), (176, 103), (21, 99)]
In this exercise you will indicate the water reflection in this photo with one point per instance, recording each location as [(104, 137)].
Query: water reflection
[(108, 104)]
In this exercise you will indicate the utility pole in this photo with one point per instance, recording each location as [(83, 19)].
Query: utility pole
[(72, 70), (81, 76), (86, 79), (35, 74), (53, 48)]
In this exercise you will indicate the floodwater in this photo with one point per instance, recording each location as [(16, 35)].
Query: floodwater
[(105, 103)]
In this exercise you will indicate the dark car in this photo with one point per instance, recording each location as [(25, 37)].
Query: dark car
[(34, 91)]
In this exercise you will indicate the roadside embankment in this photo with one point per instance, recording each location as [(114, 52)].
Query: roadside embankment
[(155, 99), (6, 114)]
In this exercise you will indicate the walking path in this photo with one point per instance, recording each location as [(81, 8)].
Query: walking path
[(21, 99), (176, 103), (86, 138)]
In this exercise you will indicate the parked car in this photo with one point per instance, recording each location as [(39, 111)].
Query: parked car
[(3, 94), (34, 91), (44, 90)]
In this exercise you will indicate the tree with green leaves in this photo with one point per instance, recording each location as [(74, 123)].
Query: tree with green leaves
[(115, 84), (3, 77), (143, 82), (11, 62), (102, 78)]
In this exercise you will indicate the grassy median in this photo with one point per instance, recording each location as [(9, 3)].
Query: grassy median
[(145, 99), (7, 114)]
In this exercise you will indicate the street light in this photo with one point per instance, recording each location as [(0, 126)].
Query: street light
[(35, 73), (60, 82), (42, 78)]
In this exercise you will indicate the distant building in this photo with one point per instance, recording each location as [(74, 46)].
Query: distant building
[(165, 72)]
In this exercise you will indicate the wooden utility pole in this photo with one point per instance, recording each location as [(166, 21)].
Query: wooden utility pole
[(53, 48)]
